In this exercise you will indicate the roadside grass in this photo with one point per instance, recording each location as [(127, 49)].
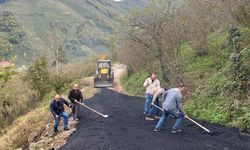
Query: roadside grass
[(207, 78), (16, 135), (33, 114)]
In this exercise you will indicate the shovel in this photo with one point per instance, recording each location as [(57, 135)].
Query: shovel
[(188, 119), (105, 116)]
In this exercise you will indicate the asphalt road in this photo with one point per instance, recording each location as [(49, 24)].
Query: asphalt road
[(126, 129)]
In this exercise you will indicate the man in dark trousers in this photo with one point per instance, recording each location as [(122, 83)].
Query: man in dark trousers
[(75, 95), (57, 110), (173, 105)]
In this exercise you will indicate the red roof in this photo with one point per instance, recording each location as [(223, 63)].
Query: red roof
[(4, 63)]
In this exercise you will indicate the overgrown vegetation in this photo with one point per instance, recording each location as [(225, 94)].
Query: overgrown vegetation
[(17, 134), (13, 34), (208, 50), (25, 90), (26, 95)]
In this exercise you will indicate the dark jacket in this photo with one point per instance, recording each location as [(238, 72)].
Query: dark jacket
[(75, 95), (56, 107)]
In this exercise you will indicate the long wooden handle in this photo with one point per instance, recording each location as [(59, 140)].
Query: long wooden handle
[(188, 119), (91, 109), (198, 124), (158, 107)]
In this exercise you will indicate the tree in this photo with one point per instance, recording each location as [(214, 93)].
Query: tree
[(144, 29), (7, 22), (39, 77), (239, 10), (240, 70), (204, 18), (5, 48), (56, 41), (157, 32)]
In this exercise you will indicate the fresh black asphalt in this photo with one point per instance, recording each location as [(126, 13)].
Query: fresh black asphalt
[(126, 129)]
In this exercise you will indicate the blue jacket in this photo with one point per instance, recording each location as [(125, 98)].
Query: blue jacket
[(173, 102), (56, 107)]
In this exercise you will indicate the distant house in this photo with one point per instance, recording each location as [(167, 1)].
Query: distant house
[(4, 64)]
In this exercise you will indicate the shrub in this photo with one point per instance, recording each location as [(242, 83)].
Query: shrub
[(16, 98), (38, 77)]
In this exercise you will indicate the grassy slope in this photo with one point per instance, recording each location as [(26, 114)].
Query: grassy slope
[(207, 78), (34, 17), (17, 134)]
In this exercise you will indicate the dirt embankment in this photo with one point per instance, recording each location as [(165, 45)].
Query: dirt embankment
[(47, 139)]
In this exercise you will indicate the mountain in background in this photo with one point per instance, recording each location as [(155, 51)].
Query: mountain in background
[(88, 23)]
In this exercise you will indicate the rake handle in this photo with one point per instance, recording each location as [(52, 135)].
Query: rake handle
[(157, 107), (198, 124), (90, 109), (188, 119)]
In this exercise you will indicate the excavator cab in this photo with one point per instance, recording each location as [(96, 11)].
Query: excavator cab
[(104, 73)]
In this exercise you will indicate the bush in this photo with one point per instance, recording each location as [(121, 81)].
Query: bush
[(58, 83), (8, 22), (16, 98), (38, 77), (5, 48), (17, 36)]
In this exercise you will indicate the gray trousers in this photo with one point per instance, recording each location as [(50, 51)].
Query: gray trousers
[(75, 110)]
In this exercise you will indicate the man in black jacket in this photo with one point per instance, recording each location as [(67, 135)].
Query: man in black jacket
[(57, 110), (75, 94)]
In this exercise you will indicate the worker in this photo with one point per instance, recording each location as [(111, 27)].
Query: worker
[(57, 110), (151, 83), (158, 101), (75, 95), (173, 105)]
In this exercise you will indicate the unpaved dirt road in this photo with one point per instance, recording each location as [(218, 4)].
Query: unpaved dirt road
[(126, 129)]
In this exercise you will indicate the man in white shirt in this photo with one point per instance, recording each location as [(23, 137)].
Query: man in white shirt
[(151, 83), (157, 100)]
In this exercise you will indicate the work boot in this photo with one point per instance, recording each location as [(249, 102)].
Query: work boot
[(56, 130), (66, 129), (176, 131), (157, 117), (156, 130), (149, 119)]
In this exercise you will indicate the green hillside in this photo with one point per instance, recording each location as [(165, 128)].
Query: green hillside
[(89, 22)]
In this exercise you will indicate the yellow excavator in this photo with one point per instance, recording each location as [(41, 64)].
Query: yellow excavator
[(104, 73)]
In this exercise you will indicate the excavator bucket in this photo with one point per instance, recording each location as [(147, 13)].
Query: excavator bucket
[(102, 83)]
